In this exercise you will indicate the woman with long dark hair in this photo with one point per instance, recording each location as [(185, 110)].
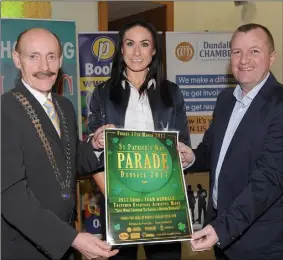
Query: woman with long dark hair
[(138, 96)]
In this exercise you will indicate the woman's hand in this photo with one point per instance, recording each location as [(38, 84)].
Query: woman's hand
[(98, 137)]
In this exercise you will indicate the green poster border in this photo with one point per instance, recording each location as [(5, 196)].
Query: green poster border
[(108, 198)]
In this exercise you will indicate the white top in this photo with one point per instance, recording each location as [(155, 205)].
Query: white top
[(138, 114), (242, 104), (40, 97)]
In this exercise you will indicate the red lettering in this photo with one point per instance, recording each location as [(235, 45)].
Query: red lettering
[(61, 81), (1, 85)]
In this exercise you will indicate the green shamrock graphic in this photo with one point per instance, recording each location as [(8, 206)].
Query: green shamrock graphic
[(117, 191), (115, 140), (181, 226), (169, 142), (117, 227)]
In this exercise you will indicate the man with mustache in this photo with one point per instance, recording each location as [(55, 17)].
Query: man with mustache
[(41, 154), (44, 74)]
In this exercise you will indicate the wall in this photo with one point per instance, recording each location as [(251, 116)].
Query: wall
[(84, 13), (86, 17), (225, 16), (155, 16), (195, 16)]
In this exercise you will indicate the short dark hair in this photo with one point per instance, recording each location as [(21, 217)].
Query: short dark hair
[(19, 39), (252, 26), (156, 70)]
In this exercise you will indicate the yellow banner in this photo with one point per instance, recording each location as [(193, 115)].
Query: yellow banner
[(199, 124), (88, 83), (24, 9)]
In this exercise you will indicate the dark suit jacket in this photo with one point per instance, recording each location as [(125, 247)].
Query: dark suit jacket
[(105, 111), (35, 220), (250, 186)]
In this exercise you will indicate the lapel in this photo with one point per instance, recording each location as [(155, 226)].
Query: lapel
[(252, 119), (45, 121), (222, 117), (120, 109), (156, 103), (62, 139)]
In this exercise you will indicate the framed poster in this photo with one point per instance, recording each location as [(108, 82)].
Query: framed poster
[(146, 198)]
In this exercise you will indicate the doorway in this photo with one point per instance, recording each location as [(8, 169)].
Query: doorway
[(112, 15)]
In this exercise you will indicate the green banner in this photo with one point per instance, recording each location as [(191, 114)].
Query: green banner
[(145, 191), (66, 83)]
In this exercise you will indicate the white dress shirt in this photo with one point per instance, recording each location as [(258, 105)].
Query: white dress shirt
[(138, 114), (241, 106), (40, 97)]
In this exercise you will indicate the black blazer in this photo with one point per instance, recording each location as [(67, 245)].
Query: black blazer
[(104, 111), (250, 185), (35, 220)]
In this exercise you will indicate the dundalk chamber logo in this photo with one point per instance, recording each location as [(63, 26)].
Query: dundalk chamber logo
[(184, 51), (103, 48)]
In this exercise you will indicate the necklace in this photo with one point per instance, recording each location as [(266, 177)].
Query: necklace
[(66, 192), (65, 188)]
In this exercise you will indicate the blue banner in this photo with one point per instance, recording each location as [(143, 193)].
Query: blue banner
[(201, 80), (66, 83), (96, 52)]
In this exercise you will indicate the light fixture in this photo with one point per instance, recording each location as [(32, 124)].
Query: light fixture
[(238, 3)]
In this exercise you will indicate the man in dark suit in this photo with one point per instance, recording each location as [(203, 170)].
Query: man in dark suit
[(201, 194), (243, 149), (41, 153), (192, 201)]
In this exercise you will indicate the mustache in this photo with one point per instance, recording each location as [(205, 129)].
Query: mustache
[(40, 74)]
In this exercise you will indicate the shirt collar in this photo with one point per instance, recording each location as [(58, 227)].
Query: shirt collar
[(248, 98), (150, 83), (41, 98)]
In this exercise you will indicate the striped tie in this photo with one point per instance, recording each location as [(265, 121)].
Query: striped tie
[(51, 112)]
